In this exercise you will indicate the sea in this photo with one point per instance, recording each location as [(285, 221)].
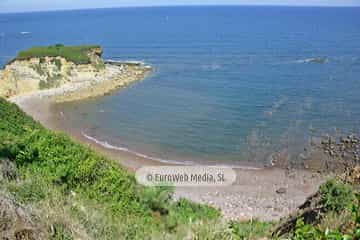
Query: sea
[(231, 85)]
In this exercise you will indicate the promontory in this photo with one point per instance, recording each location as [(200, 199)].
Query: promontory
[(66, 73)]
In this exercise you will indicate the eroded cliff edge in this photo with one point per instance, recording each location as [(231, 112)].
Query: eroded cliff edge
[(66, 73)]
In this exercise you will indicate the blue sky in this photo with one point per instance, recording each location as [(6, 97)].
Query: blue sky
[(43, 5)]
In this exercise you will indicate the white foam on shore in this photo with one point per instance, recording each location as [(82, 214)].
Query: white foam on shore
[(124, 61), (313, 60), (107, 145)]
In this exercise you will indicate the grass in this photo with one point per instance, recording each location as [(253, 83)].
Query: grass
[(81, 193), (76, 54), (252, 229), (341, 220), (78, 194), (38, 68), (336, 196), (57, 63)]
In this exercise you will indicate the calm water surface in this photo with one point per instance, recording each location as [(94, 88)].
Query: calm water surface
[(231, 85)]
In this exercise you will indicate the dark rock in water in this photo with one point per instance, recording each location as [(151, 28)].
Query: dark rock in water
[(8, 170), (281, 191), (16, 222)]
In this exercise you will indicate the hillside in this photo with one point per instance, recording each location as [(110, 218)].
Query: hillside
[(75, 193), (64, 190)]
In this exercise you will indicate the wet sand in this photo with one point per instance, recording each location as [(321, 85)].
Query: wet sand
[(265, 194)]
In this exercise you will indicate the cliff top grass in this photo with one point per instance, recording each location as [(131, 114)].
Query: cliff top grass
[(76, 54)]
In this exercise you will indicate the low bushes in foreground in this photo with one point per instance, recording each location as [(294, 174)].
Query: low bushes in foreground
[(333, 213), (77, 193)]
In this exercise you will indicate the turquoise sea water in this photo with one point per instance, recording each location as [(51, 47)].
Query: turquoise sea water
[(230, 85)]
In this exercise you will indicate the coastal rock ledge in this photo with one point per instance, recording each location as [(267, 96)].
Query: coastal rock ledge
[(66, 73)]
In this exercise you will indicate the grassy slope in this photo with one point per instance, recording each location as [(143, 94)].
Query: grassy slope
[(76, 54), (73, 187), (83, 195)]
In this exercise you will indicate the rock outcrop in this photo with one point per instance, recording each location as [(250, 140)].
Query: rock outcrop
[(24, 76)]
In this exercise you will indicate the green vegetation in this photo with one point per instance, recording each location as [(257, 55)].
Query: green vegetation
[(99, 66), (60, 232), (76, 54), (250, 229), (340, 221), (51, 81), (79, 193), (57, 62), (346, 230), (38, 68), (336, 196)]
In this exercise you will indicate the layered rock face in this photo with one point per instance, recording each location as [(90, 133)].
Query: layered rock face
[(23, 76)]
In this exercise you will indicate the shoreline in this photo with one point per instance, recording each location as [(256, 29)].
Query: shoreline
[(254, 195), (112, 78)]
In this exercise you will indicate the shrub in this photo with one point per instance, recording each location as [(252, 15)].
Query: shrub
[(157, 199), (306, 232), (190, 212), (336, 196), (76, 54), (253, 229), (29, 191), (57, 63), (59, 231), (37, 68), (49, 161)]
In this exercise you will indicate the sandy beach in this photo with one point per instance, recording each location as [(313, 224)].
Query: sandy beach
[(166, 120), (265, 194)]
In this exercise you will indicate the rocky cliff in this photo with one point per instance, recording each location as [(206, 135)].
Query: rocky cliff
[(39, 74)]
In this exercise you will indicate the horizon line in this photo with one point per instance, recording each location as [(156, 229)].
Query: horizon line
[(184, 5)]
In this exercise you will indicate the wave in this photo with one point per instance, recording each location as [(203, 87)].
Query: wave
[(107, 145), (313, 60), (25, 33), (276, 106), (211, 67), (119, 61)]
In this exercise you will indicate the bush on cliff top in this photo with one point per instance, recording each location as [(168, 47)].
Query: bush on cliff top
[(76, 54)]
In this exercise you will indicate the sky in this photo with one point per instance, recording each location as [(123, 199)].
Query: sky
[(45, 5)]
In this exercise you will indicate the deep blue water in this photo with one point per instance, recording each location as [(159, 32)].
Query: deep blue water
[(231, 84)]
